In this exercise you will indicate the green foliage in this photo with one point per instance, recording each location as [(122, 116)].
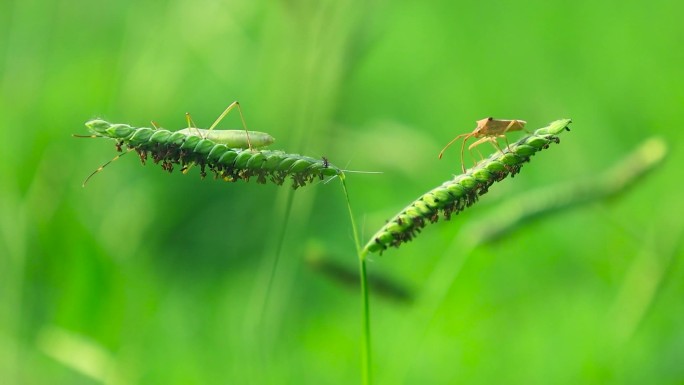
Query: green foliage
[(164, 277)]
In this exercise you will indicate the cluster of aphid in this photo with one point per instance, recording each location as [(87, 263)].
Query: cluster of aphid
[(461, 192)]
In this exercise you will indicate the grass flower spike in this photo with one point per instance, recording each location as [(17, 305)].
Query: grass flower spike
[(461, 192), (186, 148)]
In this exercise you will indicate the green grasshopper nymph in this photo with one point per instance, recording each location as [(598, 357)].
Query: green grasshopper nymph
[(231, 138), (488, 130)]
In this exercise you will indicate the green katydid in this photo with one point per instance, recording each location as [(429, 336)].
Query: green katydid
[(488, 130), (231, 138)]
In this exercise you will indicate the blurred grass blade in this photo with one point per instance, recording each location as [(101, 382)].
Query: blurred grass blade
[(530, 206), (347, 276), (79, 354)]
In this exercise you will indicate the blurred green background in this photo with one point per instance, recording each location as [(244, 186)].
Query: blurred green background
[(149, 278)]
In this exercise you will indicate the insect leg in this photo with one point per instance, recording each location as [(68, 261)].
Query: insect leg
[(479, 142), (508, 145), (188, 119), (472, 155), (450, 143), (105, 165), (242, 117), (491, 139), (514, 125), (191, 124), (510, 125), (465, 139), (472, 146)]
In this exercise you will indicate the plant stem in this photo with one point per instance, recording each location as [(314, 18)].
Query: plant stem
[(365, 335), (365, 304)]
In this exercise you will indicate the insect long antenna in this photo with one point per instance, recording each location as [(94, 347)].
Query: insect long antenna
[(105, 165), (351, 172), (87, 136), (362, 172), (355, 171), (450, 143)]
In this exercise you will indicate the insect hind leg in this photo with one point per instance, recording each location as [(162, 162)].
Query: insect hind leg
[(242, 117), (192, 125), (490, 139), (511, 127)]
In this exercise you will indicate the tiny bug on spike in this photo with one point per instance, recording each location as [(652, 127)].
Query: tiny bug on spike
[(488, 130)]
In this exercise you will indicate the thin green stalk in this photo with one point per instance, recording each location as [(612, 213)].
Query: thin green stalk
[(365, 305)]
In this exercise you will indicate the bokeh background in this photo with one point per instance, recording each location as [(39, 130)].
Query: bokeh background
[(146, 277)]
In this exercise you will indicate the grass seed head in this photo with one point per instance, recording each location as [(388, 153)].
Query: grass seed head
[(168, 148), (462, 191)]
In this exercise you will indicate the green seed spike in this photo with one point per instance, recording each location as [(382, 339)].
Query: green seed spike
[(461, 192), (226, 158)]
